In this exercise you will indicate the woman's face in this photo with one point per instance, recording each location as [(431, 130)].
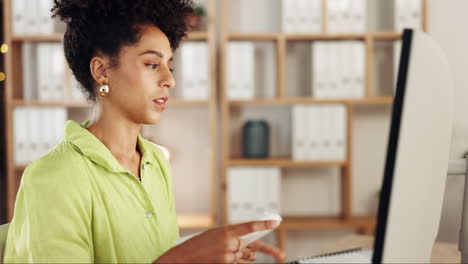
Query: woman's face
[(142, 79)]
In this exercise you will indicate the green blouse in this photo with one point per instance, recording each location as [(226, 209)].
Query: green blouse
[(78, 204)]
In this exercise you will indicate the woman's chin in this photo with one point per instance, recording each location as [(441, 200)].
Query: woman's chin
[(154, 119)]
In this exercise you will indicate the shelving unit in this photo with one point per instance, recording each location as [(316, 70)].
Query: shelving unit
[(347, 219), (13, 99)]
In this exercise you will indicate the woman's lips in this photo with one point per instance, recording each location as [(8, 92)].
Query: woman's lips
[(161, 102)]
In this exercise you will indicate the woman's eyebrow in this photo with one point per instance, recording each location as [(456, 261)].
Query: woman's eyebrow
[(154, 52)]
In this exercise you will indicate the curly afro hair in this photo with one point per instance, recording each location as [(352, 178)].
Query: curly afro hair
[(105, 26)]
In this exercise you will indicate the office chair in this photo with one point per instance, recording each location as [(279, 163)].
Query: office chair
[(3, 237)]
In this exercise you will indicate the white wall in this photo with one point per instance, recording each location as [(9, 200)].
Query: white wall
[(447, 24)]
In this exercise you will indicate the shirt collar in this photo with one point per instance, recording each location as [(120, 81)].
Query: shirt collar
[(95, 150)]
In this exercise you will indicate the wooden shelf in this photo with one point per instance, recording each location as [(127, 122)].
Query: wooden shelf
[(310, 100), (193, 221), (363, 222), (58, 37), (282, 162), (17, 102), (71, 104), (55, 37), (325, 36), (254, 36), (197, 35), (183, 102), (311, 37), (386, 35)]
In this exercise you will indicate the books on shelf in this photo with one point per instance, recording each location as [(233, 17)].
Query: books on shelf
[(338, 69), (36, 131), (347, 16), (195, 70), (252, 192), (240, 70), (408, 14), (319, 132), (29, 52), (43, 71), (32, 17), (302, 16)]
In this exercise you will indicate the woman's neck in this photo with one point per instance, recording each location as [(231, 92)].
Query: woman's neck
[(117, 133)]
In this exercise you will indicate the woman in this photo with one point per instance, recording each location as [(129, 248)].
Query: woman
[(105, 194)]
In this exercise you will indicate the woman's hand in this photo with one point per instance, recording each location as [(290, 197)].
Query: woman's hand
[(220, 245), (249, 253)]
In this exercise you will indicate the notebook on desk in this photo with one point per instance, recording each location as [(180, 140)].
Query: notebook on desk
[(417, 159), (351, 256)]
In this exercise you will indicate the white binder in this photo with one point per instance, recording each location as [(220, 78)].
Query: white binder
[(188, 70), (34, 119), (313, 134), (289, 16), (338, 132), (31, 17), (333, 16), (21, 128), (57, 81), (47, 131), (314, 16), (233, 71), (45, 21), (203, 71), (415, 17), (260, 179), (300, 137), (359, 57), (44, 78), (29, 62), (248, 70), (273, 190), (60, 117), (326, 133), (358, 14), (18, 17)]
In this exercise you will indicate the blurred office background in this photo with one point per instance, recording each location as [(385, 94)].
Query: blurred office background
[(280, 106)]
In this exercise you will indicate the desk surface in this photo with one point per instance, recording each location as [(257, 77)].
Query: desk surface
[(441, 253)]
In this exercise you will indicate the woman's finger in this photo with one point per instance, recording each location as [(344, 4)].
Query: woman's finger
[(248, 257), (267, 249), (247, 252)]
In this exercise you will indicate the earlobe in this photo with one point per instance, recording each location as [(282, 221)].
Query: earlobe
[(98, 69)]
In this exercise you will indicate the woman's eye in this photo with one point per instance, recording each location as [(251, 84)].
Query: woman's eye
[(171, 69), (153, 66)]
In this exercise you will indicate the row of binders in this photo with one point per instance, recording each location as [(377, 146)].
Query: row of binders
[(252, 192), (36, 131), (305, 16), (195, 70), (241, 68), (301, 16), (408, 14), (32, 17), (44, 73), (343, 16), (319, 132), (347, 16), (338, 69)]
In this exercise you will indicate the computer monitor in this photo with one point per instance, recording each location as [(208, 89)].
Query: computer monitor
[(417, 154)]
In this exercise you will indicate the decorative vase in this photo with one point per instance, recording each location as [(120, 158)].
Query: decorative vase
[(255, 139)]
